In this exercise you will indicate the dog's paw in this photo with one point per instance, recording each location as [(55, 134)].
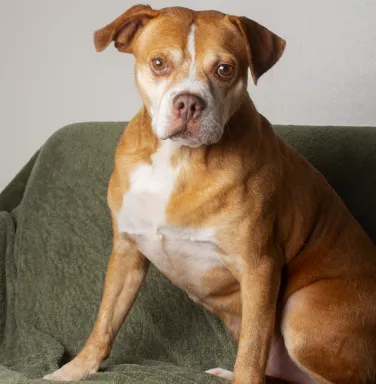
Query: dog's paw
[(58, 376), (220, 372), (71, 372), (54, 377)]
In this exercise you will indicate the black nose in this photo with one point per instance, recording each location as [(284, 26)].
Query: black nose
[(188, 106)]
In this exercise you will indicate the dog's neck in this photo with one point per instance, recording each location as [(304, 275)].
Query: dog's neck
[(244, 125)]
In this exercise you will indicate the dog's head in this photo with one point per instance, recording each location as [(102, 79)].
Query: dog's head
[(191, 67)]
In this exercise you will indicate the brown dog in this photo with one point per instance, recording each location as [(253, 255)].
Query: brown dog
[(204, 189)]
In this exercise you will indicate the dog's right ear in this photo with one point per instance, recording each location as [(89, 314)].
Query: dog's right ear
[(264, 48), (124, 28)]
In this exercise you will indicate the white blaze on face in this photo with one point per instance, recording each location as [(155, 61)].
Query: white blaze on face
[(162, 117), (192, 52), (210, 121)]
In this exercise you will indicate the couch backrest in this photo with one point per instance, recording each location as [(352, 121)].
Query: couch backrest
[(346, 156)]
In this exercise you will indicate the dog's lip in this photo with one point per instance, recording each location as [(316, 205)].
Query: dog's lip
[(180, 133)]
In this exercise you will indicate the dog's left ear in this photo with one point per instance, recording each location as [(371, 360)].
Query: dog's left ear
[(264, 48), (123, 29)]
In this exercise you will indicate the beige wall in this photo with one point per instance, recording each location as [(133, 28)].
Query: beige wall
[(50, 74)]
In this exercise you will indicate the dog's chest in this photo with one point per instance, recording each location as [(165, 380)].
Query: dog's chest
[(184, 255)]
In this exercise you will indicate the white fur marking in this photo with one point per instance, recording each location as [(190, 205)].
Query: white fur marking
[(220, 372), (144, 205), (184, 255), (192, 52)]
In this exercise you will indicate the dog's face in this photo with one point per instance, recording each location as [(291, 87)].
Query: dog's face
[(192, 67), (191, 75)]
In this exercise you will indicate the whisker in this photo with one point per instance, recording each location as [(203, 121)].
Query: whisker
[(213, 121)]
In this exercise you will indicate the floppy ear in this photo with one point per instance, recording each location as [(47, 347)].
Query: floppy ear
[(124, 28), (264, 48)]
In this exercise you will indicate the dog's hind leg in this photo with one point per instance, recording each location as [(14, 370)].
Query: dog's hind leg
[(329, 330)]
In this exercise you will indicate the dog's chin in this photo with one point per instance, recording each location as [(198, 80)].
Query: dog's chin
[(183, 138), (193, 137)]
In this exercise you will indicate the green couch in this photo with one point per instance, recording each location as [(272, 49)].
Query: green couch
[(55, 238)]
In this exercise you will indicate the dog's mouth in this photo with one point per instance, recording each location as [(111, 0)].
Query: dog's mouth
[(182, 130), (191, 133), (181, 134)]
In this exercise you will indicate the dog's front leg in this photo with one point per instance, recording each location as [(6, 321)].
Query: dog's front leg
[(259, 291), (125, 274)]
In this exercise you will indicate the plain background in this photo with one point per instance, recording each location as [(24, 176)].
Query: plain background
[(50, 74)]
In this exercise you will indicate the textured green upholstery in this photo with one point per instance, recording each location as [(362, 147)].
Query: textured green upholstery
[(55, 238)]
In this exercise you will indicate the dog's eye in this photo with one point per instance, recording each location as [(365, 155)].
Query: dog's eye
[(159, 65), (225, 71)]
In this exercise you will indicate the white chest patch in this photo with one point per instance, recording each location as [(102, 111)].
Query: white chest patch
[(144, 205), (182, 254)]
